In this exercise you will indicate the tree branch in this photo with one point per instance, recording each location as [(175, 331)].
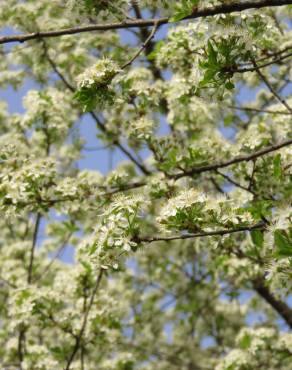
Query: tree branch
[(8, 283), (84, 323), (235, 183), (144, 45), (258, 226), (20, 345), (279, 306), (139, 23), (143, 32), (34, 240), (22, 330), (100, 125), (268, 101), (272, 90), (241, 158), (257, 110), (257, 67), (193, 171), (56, 256)]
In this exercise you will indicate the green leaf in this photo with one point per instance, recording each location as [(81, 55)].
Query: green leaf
[(23, 296), (187, 8), (208, 77), (245, 342), (156, 50), (257, 238), (70, 226), (283, 244), (180, 15), (229, 85), (277, 166), (228, 120), (212, 54)]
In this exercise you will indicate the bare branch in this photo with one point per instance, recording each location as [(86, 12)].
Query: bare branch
[(269, 101), (55, 68), (20, 346)]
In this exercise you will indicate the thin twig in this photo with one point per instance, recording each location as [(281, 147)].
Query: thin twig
[(56, 69), (144, 45), (237, 184), (98, 122), (53, 260), (33, 246), (268, 101), (251, 181), (272, 90), (258, 226), (143, 34), (5, 281), (53, 201), (193, 171), (269, 55), (216, 185), (258, 110), (20, 347), (85, 318), (257, 67)]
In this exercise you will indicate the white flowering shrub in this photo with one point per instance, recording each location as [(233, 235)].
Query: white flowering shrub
[(145, 185)]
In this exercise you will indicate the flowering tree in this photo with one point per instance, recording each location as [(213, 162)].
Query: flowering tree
[(183, 253)]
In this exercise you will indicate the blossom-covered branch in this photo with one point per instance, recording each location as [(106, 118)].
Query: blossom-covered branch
[(98, 122), (220, 9), (258, 226), (241, 158)]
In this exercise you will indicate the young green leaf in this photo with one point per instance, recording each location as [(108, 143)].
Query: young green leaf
[(257, 237), (283, 244), (277, 166)]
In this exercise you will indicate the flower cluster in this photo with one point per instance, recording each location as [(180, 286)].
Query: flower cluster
[(102, 8), (115, 234), (193, 210), (94, 84), (255, 345)]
